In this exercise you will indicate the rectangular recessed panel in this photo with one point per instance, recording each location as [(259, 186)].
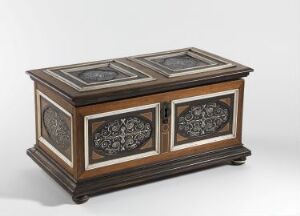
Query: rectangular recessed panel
[(204, 119), (55, 128), (92, 76), (181, 62), (121, 135)]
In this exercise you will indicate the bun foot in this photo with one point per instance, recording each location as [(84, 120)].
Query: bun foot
[(80, 199), (238, 161)]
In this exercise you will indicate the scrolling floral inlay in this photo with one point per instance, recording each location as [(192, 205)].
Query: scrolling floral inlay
[(57, 128), (203, 119), (122, 135)]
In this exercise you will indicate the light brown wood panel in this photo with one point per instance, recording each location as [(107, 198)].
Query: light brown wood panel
[(156, 98)]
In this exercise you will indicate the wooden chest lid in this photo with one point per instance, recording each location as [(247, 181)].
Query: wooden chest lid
[(114, 79)]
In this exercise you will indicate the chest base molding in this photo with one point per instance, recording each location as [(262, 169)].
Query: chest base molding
[(82, 190)]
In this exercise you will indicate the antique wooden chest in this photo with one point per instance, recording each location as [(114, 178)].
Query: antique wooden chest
[(106, 125)]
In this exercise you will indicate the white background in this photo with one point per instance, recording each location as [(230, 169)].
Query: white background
[(261, 34)]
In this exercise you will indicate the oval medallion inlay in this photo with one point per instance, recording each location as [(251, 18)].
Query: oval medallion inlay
[(122, 135), (98, 75), (57, 128), (180, 62), (203, 119)]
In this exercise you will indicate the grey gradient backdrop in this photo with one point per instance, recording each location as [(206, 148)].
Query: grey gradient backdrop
[(263, 34)]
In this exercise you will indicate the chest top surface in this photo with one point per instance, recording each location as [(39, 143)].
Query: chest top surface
[(101, 81)]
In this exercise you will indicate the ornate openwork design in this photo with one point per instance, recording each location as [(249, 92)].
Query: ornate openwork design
[(122, 135), (203, 119), (57, 128)]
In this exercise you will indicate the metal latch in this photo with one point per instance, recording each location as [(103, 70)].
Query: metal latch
[(165, 112)]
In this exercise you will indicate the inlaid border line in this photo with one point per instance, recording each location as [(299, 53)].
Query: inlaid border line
[(112, 65), (100, 86), (141, 60), (189, 53)]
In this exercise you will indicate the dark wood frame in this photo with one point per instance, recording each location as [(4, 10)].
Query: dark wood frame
[(82, 190), (160, 84)]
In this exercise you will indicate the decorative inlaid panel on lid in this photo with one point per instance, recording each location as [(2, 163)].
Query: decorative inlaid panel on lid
[(181, 62), (114, 79), (92, 76)]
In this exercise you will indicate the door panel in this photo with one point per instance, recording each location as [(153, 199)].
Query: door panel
[(121, 135), (204, 119)]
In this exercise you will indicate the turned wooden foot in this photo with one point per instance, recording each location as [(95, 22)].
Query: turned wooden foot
[(238, 161), (80, 199)]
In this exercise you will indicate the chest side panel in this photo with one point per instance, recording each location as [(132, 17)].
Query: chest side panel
[(55, 128)]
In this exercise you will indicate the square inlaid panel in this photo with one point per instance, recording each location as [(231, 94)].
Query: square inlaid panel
[(92, 76), (181, 62), (204, 119), (121, 135), (55, 128)]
